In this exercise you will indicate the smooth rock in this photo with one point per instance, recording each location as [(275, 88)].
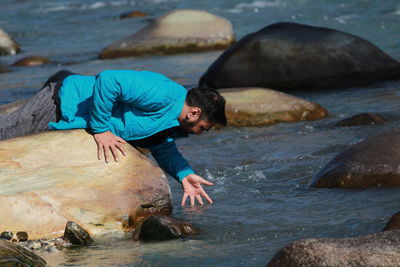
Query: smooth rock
[(380, 249), (260, 106), (14, 255), (8, 46), (291, 56), (133, 14), (31, 61), (161, 227), (393, 223), (10, 107), (176, 31), (362, 119), (76, 235), (22, 236), (7, 235), (372, 162), (54, 177)]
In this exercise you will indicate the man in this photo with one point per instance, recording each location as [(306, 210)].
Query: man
[(139, 107)]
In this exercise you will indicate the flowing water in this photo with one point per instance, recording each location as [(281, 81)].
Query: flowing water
[(260, 173)]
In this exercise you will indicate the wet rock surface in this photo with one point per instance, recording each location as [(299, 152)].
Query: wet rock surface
[(393, 223), (8, 46), (380, 249), (372, 162), (261, 106), (289, 56), (176, 31), (14, 255), (161, 227), (362, 119), (76, 235), (133, 14), (31, 61)]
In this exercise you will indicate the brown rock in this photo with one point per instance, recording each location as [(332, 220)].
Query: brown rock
[(14, 255), (372, 162), (54, 177), (176, 31), (31, 61), (133, 14), (76, 235), (362, 119), (393, 223), (380, 249), (260, 106)]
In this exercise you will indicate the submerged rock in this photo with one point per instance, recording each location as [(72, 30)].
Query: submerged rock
[(50, 178), (76, 235), (161, 227), (176, 31), (8, 46), (291, 56), (14, 255), (260, 106), (10, 107), (372, 162), (393, 223), (3, 69), (380, 249), (362, 119), (31, 61), (133, 14)]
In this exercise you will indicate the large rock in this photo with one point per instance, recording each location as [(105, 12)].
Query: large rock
[(175, 32), (8, 46), (380, 249), (372, 162), (260, 106), (290, 56), (393, 223), (31, 61), (54, 177), (14, 255), (10, 107)]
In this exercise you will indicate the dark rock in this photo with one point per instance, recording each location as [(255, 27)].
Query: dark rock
[(31, 61), (77, 235), (14, 255), (22, 236), (133, 14), (362, 119), (3, 69), (393, 223), (160, 227), (7, 235), (380, 249), (372, 162), (291, 56), (160, 206)]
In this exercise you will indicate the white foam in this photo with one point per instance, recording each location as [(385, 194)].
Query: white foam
[(70, 6), (397, 11), (261, 4)]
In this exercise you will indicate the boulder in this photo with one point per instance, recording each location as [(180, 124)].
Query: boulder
[(76, 235), (161, 227), (372, 162), (175, 32), (14, 255), (291, 56), (54, 177), (260, 106), (133, 14), (393, 223), (8, 46), (380, 249), (31, 61), (10, 107), (362, 119)]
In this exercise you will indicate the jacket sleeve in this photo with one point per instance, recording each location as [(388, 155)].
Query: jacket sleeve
[(171, 160)]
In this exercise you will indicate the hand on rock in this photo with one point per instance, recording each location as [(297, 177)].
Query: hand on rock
[(107, 144), (192, 188)]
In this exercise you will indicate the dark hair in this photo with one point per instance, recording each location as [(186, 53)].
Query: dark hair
[(211, 103)]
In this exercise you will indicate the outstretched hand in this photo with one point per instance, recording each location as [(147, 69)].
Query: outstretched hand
[(107, 144), (192, 188)]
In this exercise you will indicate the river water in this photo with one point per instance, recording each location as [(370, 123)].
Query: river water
[(260, 173)]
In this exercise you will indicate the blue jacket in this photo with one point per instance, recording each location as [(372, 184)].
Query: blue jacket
[(131, 104)]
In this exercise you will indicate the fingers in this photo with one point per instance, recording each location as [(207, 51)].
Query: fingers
[(192, 201), (119, 139), (205, 195), (200, 200), (204, 181), (121, 148), (185, 196), (99, 151)]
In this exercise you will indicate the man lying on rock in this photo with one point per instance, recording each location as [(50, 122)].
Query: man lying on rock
[(142, 108)]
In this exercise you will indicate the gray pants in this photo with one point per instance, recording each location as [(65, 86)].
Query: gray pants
[(32, 117)]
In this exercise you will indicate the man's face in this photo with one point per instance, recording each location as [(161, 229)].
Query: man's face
[(196, 127)]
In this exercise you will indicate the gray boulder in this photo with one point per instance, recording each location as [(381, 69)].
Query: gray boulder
[(372, 162), (14, 255), (8, 46), (176, 31), (380, 249), (291, 56)]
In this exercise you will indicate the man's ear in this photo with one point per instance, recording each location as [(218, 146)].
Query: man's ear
[(194, 114)]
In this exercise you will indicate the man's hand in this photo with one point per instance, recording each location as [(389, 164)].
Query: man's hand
[(108, 142), (192, 188)]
